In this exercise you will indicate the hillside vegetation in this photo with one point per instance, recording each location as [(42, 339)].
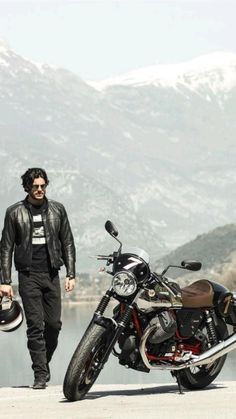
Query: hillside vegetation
[(216, 251)]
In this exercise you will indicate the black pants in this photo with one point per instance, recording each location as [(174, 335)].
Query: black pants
[(41, 297)]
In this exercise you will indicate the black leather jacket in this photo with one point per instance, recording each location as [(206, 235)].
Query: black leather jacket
[(17, 238)]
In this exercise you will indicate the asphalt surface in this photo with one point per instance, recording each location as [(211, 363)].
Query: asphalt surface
[(147, 401)]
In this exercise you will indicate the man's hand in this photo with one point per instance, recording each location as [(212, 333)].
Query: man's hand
[(69, 284), (6, 290)]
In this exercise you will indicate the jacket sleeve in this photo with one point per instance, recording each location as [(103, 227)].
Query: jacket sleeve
[(7, 246), (67, 244)]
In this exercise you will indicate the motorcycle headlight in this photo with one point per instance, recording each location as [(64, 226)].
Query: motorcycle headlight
[(124, 283)]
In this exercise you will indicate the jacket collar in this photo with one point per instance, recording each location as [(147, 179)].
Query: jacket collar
[(27, 204)]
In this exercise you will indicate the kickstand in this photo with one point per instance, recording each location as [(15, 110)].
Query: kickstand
[(176, 375)]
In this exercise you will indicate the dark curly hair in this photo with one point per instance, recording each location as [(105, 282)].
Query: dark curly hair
[(31, 174)]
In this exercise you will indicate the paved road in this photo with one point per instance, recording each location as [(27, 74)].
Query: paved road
[(147, 401)]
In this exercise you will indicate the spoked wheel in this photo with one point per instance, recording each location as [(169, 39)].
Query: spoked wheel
[(85, 364), (201, 376)]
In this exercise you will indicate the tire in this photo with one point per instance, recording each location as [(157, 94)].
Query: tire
[(83, 369), (195, 378)]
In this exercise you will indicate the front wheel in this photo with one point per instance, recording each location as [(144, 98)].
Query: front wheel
[(198, 377), (85, 364)]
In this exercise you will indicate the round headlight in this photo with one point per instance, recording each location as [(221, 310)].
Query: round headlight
[(124, 283)]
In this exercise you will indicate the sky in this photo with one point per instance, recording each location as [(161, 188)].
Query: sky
[(105, 38)]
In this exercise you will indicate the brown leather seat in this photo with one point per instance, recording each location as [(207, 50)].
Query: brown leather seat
[(198, 294)]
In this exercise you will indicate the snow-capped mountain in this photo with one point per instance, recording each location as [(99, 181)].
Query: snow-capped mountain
[(157, 159), (216, 70)]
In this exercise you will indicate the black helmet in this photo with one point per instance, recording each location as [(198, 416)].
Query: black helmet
[(11, 315)]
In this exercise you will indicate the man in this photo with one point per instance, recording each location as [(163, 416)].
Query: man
[(37, 230)]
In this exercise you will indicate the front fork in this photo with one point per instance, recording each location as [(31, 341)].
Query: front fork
[(116, 328)]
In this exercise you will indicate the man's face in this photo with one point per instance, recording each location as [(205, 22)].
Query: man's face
[(38, 189)]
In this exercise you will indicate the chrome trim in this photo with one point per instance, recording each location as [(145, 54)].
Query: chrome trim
[(207, 357)]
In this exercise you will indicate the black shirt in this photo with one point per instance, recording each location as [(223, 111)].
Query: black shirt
[(40, 256)]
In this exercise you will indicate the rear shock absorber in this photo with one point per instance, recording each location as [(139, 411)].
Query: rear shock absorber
[(210, 326)]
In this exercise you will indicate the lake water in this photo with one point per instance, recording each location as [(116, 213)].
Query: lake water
[(16, 364)]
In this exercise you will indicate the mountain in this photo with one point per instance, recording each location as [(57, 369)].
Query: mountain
[(185, 113), (215, 70), (156, 158), (50, 117), (216, 251)]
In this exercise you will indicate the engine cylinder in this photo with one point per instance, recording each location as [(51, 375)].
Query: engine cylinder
[(165, 327)]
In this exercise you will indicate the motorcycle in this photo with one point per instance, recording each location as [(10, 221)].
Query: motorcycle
[(155, 325)]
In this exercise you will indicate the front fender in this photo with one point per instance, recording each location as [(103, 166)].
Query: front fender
[(107, 323)]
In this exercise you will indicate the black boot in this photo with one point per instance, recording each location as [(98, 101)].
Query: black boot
[(48, 376), (39, 365), (39, 384)]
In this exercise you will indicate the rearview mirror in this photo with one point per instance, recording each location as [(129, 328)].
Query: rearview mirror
[(191, 265), (111, 229)]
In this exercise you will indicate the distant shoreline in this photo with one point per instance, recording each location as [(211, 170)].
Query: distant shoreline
[(79, 302), (87, 300)]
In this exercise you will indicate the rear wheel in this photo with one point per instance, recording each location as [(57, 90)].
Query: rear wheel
[(85, 364), (201, 376)]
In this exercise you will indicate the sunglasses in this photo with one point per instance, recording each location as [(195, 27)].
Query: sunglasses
[(36, 187)]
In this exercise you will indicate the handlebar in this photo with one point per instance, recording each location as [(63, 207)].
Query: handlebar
[(109, 258), (100, 257), (103, 257)]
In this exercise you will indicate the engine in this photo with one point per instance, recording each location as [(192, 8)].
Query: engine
[(163, 327), (161, 330)]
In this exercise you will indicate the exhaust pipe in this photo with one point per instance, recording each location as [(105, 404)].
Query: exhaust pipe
[(207, 357)]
